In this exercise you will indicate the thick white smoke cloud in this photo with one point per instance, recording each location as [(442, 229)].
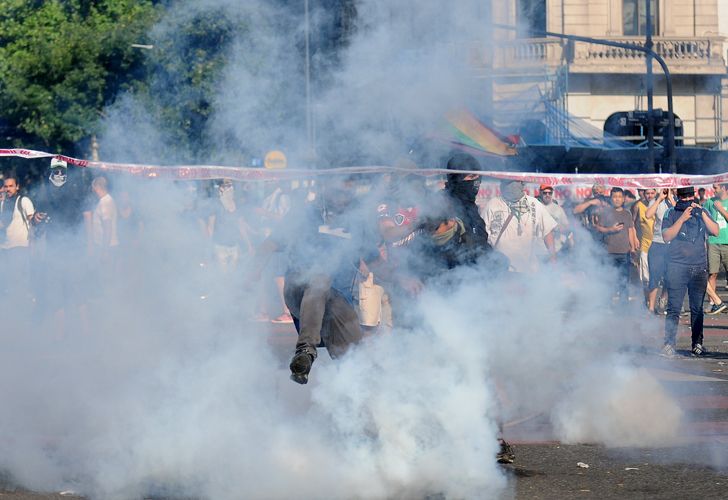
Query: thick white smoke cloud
[(167, 393)]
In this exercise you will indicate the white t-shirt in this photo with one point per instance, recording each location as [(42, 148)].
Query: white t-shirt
[(523, 237), (657, 228), (105, 211), (562, 220), (17, 234)]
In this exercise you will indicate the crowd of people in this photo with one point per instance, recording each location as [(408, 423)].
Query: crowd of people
[(413, 229), (342, 255)]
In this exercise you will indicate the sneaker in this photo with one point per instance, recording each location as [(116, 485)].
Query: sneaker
[(717, 308), (283, 319), (668, 351), (505, 455), (698, 350), (301, 366)]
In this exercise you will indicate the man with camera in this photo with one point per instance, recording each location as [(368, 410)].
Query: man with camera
[(589, 210), (686, 228)]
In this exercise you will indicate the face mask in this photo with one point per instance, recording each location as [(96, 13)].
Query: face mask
[(58, 177), (681, 205), (512, 192), (464, 190)]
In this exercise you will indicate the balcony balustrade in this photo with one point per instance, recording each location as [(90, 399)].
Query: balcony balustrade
[(698, 55)]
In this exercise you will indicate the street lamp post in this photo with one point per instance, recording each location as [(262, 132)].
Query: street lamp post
[(670, 142), (650, 92)]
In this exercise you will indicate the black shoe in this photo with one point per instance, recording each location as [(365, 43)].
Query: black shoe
[(717, 308), (505, 455), (698, 350), (301, 366)]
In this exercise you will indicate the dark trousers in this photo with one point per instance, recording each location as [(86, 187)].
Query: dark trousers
[(679, 279), (623, 264), (321, 313)]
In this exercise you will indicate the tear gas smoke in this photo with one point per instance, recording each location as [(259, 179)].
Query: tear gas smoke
[(159, 392)]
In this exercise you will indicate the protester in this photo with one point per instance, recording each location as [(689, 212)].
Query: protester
[(6, 211), (61, 210), (657, 254), (617, 226), (629, 200), (227, 229), (701, 196), (644, 227), (405, 258), (717, 245), (562, 234), (105, 221), (589, 209), (272, 211), (462, 190), (18, 213), (323, 260), (686, 228), (519, 225)]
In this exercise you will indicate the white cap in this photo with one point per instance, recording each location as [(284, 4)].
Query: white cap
[(56, 163)]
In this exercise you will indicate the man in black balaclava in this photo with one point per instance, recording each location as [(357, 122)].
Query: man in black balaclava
[(461, 190)]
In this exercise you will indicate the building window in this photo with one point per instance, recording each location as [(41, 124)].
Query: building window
[(531, 18), (634, 17)]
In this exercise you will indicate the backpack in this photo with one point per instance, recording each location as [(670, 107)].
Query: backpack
[(24, 216)]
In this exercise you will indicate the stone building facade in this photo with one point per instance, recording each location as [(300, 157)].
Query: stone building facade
[(591, 82)]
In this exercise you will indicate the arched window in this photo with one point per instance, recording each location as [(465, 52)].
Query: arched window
[(634, 17)]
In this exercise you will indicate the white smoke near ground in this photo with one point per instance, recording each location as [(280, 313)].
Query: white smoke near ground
[(169, 390), (618, 404)]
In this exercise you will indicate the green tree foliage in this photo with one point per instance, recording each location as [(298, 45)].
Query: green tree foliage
[(190, 51), (63, 62)]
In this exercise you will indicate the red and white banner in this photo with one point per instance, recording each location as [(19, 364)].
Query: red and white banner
[(206, 172)]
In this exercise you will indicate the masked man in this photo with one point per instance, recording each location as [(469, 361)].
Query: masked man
[(686, 228), (325, 247), (59, 220), (519, 225)]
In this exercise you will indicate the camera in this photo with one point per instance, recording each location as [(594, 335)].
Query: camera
[(697, 212)]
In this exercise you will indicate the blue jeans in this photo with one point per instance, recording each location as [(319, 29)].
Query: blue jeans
[(679, 279)]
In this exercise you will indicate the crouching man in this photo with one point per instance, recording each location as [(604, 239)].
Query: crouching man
[(326, 245)]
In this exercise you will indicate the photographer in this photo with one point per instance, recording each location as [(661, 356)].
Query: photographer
[(686, 228), (590, 209)]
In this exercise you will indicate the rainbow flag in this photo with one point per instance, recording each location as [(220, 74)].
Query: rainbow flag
[(466, 130)]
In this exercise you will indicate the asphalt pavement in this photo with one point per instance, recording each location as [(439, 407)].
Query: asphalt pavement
[(547, 469)]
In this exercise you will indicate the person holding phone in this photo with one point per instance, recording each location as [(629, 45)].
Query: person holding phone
[(620, 237)]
